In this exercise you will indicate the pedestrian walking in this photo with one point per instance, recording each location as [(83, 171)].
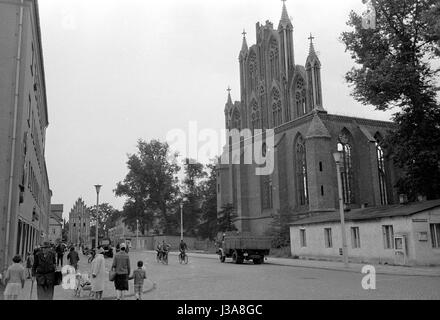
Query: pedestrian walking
[(29, 264), (60, 254), (121, 266), (73, 258), (14, 279), (98, 274), (44, 270), (139, 275)]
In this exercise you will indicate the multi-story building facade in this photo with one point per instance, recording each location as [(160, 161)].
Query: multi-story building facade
[(79, 224), (56, 223), (24, 185), (278, 94)]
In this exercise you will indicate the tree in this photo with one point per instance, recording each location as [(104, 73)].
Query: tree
[(106, 218), (192, 193), (393, 71), (279, 229), (150, 185), (208, 226), (226, 219)]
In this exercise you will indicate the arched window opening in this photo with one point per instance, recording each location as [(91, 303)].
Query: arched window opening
[(253, 70), (267, 193), (236, 120), (300, 98), (274, 59), (382, 171), (255, 116), (346, 168), (301, 171), (277, 117)]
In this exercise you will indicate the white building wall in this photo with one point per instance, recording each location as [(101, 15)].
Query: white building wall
[(372, 247)]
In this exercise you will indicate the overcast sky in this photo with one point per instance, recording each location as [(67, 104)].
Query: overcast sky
[(117, 71)]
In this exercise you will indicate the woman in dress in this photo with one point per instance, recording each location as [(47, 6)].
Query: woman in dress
[(14, 279), (121, 266), (98, 274)]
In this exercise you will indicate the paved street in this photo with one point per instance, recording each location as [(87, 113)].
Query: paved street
[(207, 278)]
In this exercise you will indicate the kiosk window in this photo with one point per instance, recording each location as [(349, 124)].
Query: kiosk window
[(435, 235), (388, 236)]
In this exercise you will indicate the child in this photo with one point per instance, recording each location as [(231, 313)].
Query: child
[(29, 264), (139, 275), (14, 279)]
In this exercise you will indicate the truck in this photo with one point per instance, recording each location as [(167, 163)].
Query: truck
[(241, 246)]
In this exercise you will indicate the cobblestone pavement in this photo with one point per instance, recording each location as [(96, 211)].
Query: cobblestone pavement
[(205, 278)]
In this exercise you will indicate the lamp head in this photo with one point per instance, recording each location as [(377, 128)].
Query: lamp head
[(98, 187), (338, 157)]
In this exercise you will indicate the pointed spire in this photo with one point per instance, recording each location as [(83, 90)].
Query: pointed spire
[(229, 95), (311, 48), (244, 47), (285, 20)]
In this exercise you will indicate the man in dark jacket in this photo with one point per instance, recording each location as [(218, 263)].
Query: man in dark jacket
[(44, 270), (73, 258), (60, 254)]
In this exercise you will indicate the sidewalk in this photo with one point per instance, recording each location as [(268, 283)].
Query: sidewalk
[(68, 294), (338, 266)]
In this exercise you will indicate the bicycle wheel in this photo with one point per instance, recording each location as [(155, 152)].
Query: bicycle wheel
[(185, 259), (180, 258)]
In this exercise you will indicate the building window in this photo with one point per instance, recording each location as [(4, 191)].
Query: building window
[(346, 168), (302, 238), (273, 57), (267, 193), (256, 119), (301, 171), (388, 237), (300, 98), (435, 235), (322, 191), (328, 237), (236, 121), (277, 117), (355, 238), (382, 173), (218, 188)]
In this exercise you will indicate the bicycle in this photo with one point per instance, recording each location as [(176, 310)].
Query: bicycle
[(183, 258)]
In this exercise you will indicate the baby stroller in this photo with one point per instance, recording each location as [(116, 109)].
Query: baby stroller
[(83, 284)]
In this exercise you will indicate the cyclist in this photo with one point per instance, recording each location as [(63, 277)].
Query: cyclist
[(165, 248), (159, 251), (182, 247)]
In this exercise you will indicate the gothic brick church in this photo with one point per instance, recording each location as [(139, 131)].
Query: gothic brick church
[(277, 93)]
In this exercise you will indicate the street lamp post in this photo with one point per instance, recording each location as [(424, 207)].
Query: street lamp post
[(181, 220), (98, 188), (137, 234), (338, 159)]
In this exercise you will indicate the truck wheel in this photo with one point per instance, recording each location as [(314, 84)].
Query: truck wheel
[(257, 260), (234, 257), (222, 258)]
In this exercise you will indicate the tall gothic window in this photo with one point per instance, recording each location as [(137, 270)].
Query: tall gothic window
[(267, 193), (381, 170), (277, 116), (236, 121), (274, 59), (301, 171), (318, 83), (253, 76), (255, 116), (346, 168), (300, 97)]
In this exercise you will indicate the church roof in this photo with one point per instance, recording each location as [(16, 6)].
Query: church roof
[(317, 128)]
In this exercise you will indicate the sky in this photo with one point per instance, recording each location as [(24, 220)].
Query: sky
[(118, 71)]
